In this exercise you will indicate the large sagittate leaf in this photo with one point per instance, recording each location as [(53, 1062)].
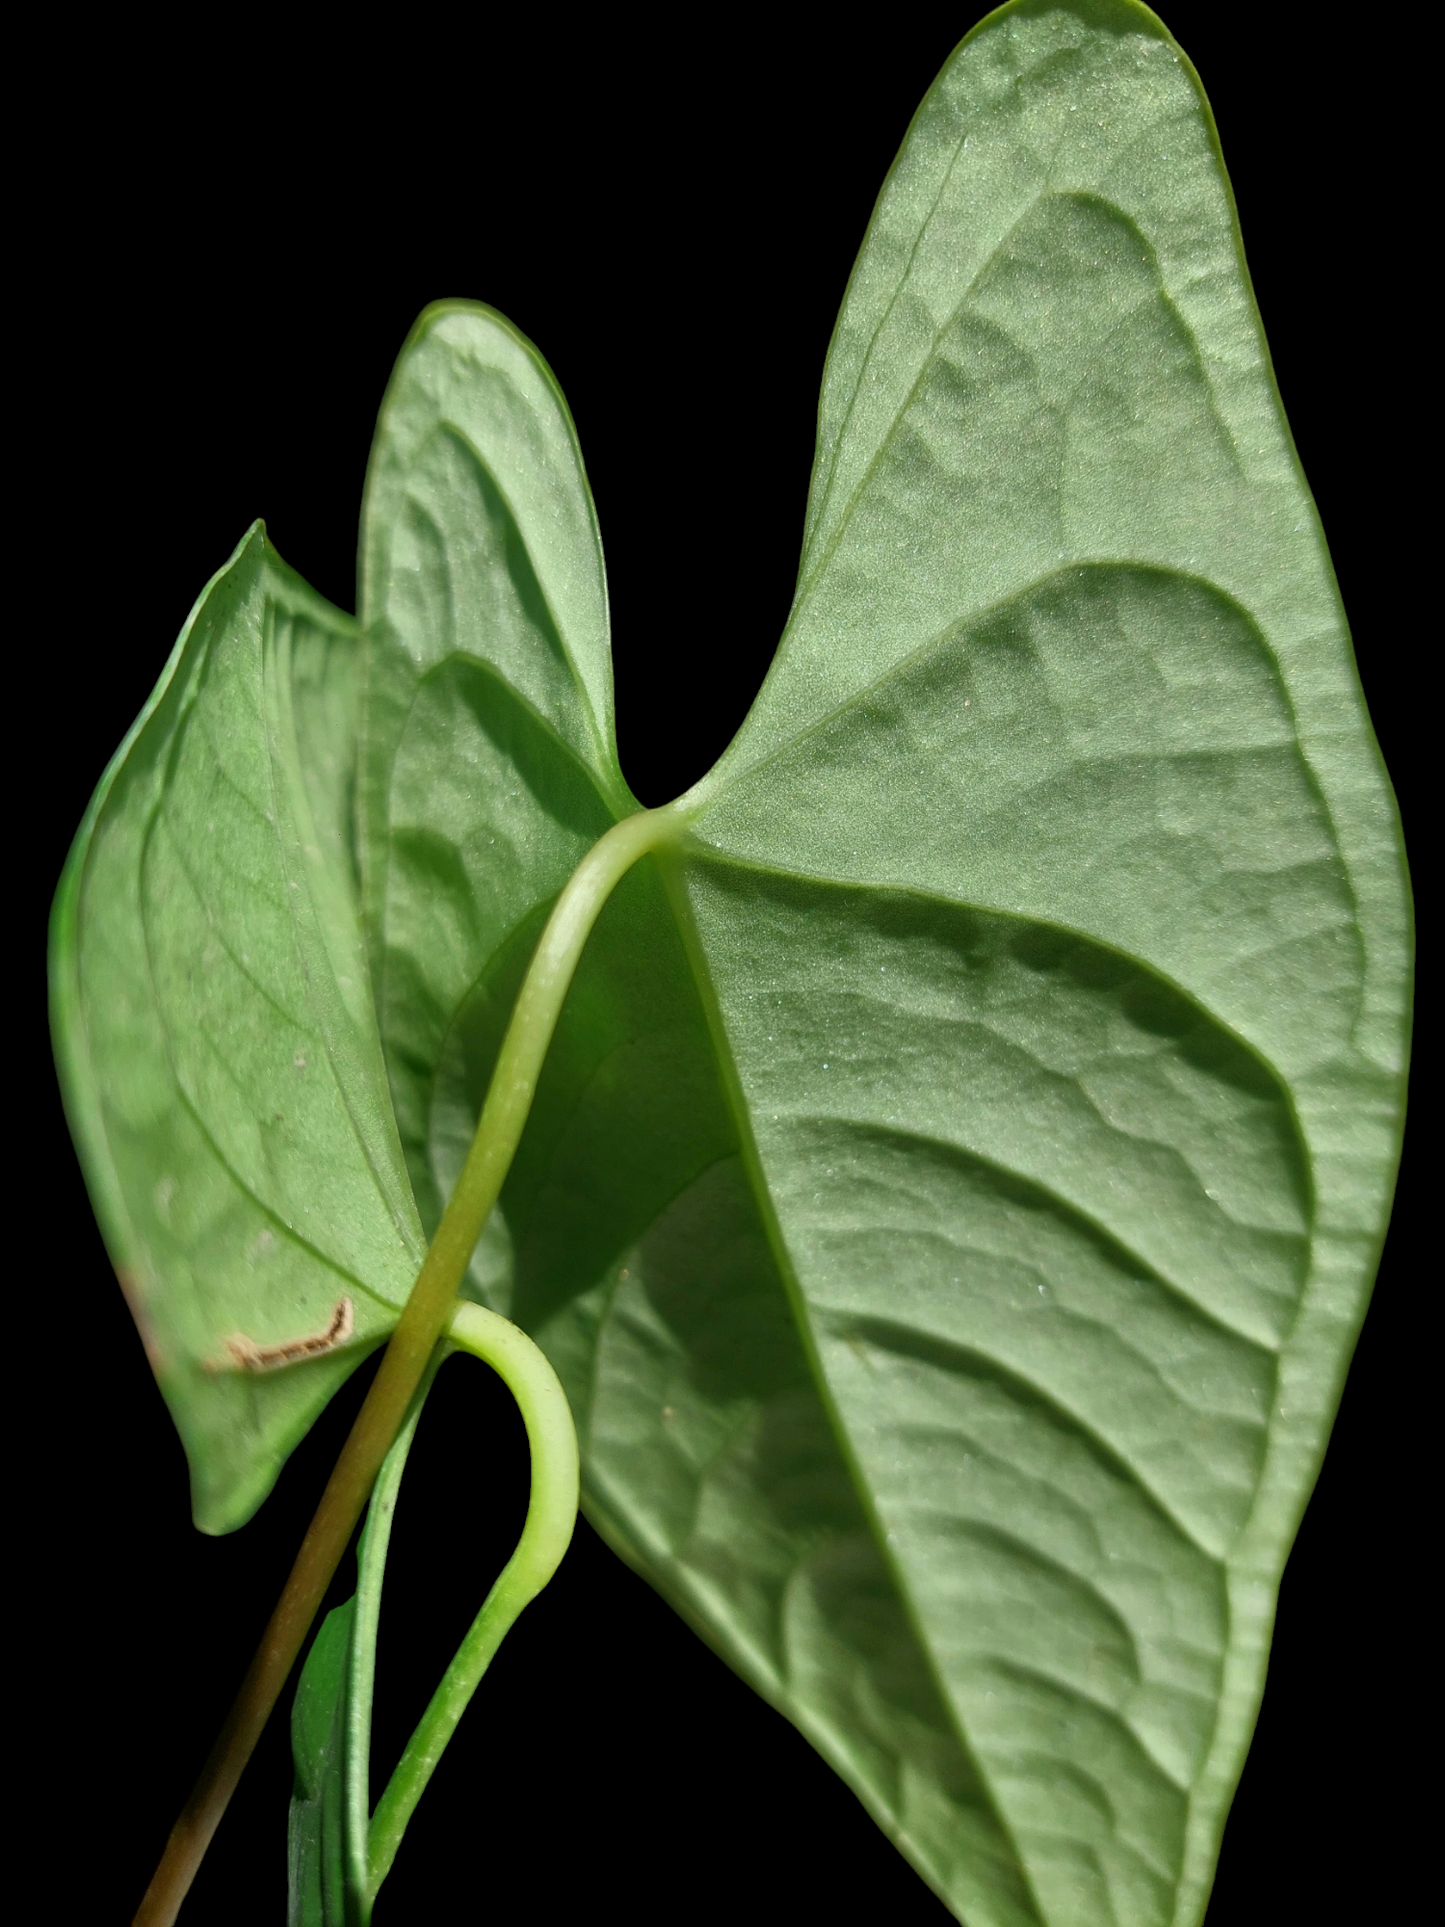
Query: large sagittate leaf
[(1081, 1128), (217, 1039), (955, 1183)]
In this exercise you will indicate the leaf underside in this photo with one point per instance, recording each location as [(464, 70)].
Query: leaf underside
[(957, 1177)]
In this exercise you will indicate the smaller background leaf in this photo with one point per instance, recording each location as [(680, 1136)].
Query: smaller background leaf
[(215, 1033)]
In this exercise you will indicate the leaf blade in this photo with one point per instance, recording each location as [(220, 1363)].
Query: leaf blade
[(218, 1070), (1032, 439), (479, 545)]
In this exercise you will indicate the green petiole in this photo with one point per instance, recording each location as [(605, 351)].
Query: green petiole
[(361, 1668), (551, 1516)]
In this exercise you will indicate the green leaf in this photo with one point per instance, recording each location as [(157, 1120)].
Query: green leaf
[(959, 1169), (489, 765), (216, 1034), (317, 1847), (960, 1166)]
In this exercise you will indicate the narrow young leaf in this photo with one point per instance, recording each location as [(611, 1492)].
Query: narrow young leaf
[(318, 1888)]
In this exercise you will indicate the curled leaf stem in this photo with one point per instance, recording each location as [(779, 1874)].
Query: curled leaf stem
[(551, 1517), (422, 1322)]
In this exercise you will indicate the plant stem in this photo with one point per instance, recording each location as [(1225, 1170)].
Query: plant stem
[(504, 1114), (551, 1517), (361, 1665)]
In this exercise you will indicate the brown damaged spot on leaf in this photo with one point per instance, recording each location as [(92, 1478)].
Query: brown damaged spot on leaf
[(130, 1286), (244, 1354)]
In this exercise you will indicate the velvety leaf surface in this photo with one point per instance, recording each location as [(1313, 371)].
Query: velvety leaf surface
[(216, 1033)]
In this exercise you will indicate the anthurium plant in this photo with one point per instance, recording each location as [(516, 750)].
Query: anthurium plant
[(923, 1184)]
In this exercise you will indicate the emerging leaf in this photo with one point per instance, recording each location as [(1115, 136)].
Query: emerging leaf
[(317, 1847)]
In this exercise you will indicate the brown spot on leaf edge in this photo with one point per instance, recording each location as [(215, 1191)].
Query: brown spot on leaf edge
[(130, 1285)]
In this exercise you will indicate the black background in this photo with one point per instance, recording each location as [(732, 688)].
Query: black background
[(226, 236)]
